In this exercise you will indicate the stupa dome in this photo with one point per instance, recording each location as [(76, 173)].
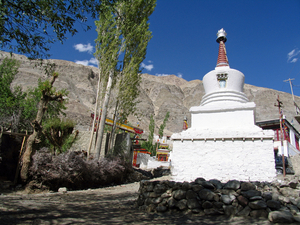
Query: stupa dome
[(223, 83)]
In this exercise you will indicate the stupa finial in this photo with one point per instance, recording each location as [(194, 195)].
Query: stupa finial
[(222, 57)]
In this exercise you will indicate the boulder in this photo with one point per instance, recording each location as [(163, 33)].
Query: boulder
[(206, 194), (232, 185), (281, 217)]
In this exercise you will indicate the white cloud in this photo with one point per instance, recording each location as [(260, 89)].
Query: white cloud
[(162, 74), (91, 62), (84, 48), (84, 62), (147, 67), (94, 61), (165, 74), (293, 55), (294, 60)]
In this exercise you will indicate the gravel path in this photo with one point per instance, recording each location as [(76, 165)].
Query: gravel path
[(112, 205)]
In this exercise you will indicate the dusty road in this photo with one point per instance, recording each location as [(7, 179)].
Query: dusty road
[(113, 205)]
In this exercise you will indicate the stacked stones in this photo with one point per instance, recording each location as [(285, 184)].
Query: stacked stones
[(278, 201)]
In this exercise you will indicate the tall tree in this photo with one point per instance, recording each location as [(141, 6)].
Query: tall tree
[(124, 44), (30, 26), (163, 125)]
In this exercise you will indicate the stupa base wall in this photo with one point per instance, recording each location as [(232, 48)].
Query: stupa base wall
[(241, 158)]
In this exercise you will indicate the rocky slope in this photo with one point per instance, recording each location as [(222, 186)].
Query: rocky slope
[(158, 95)]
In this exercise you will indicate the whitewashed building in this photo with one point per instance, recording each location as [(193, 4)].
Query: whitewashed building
[(223, 142), (290, 137)]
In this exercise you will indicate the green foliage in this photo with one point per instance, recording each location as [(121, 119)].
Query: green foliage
[(12, 100), (123, 36), (149, 146), (58, 134), (54, 108), (163, 125), (29, 27), (151, 129)]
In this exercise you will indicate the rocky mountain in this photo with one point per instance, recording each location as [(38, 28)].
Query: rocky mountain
[(158, 95)]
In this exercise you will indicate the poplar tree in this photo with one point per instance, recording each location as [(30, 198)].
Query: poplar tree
[(123, 36)]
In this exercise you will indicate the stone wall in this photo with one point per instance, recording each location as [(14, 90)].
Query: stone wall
[(279, 201)]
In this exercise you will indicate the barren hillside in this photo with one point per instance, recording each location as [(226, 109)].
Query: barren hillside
[(158, 95)]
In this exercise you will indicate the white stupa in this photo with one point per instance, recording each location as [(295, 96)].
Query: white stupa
[(223, 142)]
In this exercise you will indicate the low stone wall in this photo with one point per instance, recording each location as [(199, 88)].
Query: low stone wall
[(278, 201)]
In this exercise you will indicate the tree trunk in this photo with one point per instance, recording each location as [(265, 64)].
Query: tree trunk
[(29, 151), (113, 130), (103, 116), (95, 116)]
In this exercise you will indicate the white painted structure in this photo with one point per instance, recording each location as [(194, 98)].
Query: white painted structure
[(223, 142)]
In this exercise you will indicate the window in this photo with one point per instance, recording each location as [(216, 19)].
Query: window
[(222, 79)]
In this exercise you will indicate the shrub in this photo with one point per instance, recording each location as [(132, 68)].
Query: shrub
[(72, 170)]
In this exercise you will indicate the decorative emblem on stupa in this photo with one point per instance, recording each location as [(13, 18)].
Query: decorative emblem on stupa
[(222, 57)]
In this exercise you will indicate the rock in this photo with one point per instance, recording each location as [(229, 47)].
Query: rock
[(151, 208), (179, 194), (232, 185), (256, 198), (284, 200), (242, 200), (297, 217), (206, 194), (259, 213), (182, 204), (289, 192), (197, 187), (191, 194), (172, 203), (157, 200), (161, 208), (216, 183), (294, 209), (218, 205), (166, 195), (62, 190), (274, 205), (228, 192), (197, 211), (246, 186), (153, 195), (186, 186), (260, 204), (227, 199), (193, 203), (150, 187), (229, 210), (293, 183), (208, 185), (251, 193), (207, 205), (281, 217), (267, 196), (245, 212), (199, 180), (159, 188)]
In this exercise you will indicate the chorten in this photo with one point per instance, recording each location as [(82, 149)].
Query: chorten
[(223, 141)]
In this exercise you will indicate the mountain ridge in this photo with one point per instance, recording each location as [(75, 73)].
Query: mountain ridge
[(158, 95)]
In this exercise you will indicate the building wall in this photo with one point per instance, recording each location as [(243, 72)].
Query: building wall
[(245, 160)]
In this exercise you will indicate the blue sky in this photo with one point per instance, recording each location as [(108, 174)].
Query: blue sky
[(263, 40)]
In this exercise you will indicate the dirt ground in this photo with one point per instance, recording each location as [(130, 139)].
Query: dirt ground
[(111, 205)]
